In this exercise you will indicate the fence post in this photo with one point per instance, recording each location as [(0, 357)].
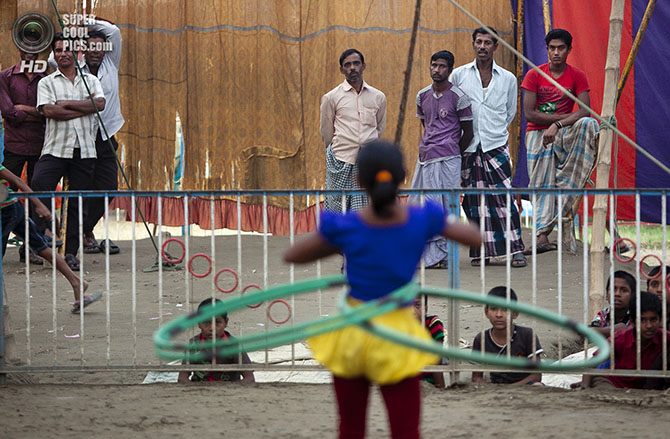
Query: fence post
[(454, 283)]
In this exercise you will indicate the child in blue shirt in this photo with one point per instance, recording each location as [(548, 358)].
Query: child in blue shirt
[(382, 245)]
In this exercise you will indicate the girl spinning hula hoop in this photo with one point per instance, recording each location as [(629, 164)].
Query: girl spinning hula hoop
[(382, 244)]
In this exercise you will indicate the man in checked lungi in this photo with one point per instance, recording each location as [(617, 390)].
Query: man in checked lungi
[(352, 114), (561, 143), (446, 117), (486, 162)]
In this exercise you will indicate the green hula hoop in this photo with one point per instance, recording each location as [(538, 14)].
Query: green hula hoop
[(359, 315), (478, 357), (202, 351)]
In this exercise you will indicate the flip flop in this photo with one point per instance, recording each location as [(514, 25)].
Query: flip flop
[(87, 301), (519, 260), (477, 262), (72, 262), (91, 247), (113, 248), (541, 249), (439, 265)]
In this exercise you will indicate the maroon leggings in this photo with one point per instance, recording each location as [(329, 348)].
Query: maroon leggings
[(403, 404)]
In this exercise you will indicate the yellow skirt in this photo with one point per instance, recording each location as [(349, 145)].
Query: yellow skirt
[(352, 352)]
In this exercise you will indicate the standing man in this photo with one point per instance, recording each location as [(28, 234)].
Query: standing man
[(561, 144), (69, 143), (486, 162), (105, 66), (446, 118), (352, 114), (24, 126)]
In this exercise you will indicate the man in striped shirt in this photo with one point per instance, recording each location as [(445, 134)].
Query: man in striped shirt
[(69, 143)]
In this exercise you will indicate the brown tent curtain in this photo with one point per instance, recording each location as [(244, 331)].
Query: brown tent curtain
[(247, 76)]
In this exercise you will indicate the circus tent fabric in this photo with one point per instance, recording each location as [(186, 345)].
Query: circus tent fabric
[(643, 112)]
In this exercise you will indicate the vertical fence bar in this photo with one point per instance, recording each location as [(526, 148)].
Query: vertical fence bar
[(317, 206), (26, 252), (186, 236), (664, 284), (611, 281), (454, 283), (482, 248), (508, 273), (107, 282), (80, 214), (422, 264), (212, 219), (133, 275), (585, 261), (292, 271), (559, 269), (265, 261), (637, 279), (533, 243), (54, 254), (159, 200), (239, 237)]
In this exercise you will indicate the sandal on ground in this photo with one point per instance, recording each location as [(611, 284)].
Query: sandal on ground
[(439, 265), (113, 248), (477, 262), (519, 260), (34, 259), (549, 246), (87, 301), (72, 262), (59, 242), (91, 246)]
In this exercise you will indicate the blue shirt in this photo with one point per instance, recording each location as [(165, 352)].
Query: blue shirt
[(381, 258)]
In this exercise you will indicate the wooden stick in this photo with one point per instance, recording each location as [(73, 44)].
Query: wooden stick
[(596, 278), (408, 74)]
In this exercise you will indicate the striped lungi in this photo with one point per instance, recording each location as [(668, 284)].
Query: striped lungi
[(565, 164), (342, 176), (487, 170), (442, 173)]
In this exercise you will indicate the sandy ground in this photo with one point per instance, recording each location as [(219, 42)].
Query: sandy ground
[(113, 403)]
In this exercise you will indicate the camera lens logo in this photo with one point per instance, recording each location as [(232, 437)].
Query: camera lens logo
[(32, 32)]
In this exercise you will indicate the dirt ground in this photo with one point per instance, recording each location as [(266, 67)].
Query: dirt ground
[(115, 403)]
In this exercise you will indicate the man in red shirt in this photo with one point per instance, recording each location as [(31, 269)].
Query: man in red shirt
[(625, 349), (561, 143)]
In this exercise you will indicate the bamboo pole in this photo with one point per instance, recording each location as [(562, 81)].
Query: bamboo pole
[(597, 284), (519, 75), (636, 45), (546, 13), (408, 73)]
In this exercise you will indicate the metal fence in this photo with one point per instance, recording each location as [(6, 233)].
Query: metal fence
[(139, 294)]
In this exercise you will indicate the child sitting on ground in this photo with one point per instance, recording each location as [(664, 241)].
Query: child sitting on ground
[(624, 285), (220, 322), (14, 220), (495, 342), (655, 286), (625, 349), (434, 325)]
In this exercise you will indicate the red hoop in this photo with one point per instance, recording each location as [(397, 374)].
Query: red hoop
[(616, 250), (183, 251), (644, 275), (190, 265), (288, 307), (244, 290), (216, 280)]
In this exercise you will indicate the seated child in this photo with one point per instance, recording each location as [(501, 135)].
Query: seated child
[(13, 220), (436, 328), (495, 342), (655, 286), (624, 286), (625, 350), (206, 333)]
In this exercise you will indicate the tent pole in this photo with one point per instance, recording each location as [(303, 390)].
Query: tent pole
[(519, 75), (408, 73), (636, 45), (596, 279), (546, 13)]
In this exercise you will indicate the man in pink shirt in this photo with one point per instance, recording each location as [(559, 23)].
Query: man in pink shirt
[(352, 114), (561, 143)]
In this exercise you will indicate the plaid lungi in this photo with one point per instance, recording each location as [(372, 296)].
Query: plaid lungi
[(442, 173), (565, 164), (342, 176), (484, 170)]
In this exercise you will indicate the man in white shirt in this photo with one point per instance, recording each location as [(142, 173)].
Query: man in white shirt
[(486, 162), (104, 64), (69, 141), (352, 114)]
